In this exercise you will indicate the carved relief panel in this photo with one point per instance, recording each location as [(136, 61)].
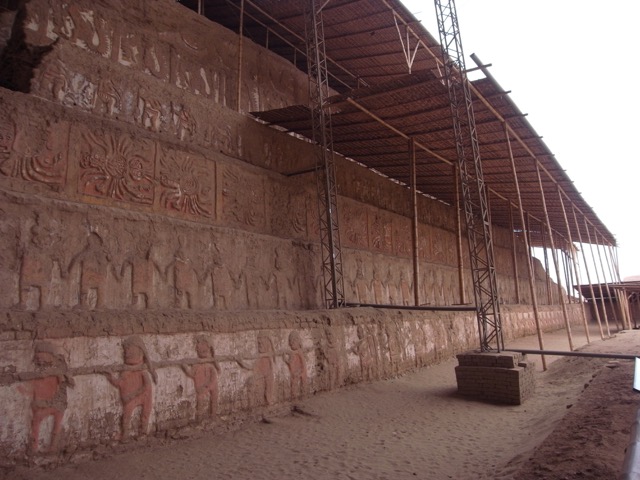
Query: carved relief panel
[(186, 183), (380, 231), (242, 198), (354, 223), (402, 236), (115, 166), (41, 153), (288, 210)]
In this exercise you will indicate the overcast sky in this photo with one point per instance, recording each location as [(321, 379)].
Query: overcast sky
[(572, 66)]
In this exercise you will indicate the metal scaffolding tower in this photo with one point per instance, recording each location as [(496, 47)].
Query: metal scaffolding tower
[(333, 279), (474, 196)]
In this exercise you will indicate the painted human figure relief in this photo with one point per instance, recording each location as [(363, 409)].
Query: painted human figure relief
[(135, 385), (262, 382), (297, 366), (48, 392), (331, 351), (205, 378), (366, 349)]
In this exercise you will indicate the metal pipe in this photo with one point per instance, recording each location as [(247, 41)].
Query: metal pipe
[(451, 308), (618, 356)]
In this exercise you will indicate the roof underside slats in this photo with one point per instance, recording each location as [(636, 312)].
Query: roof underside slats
[(380, 102)]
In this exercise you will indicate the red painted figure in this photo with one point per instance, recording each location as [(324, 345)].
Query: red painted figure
[(262, 382), (134, 384), (205, 379), (48, 393)]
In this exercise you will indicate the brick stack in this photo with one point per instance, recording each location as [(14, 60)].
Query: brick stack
[(505, 377)]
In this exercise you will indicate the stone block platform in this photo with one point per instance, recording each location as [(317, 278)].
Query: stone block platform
[(505, 377)]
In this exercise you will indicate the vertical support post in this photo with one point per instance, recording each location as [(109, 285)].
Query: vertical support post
[(240, 56), (414, 222), (586, 267), (604, 310), (615, 272), (514, 254), (554, 256), (543, 234), (523, 223), (461, 283), (568, 277), (573, 262), (606, 282)]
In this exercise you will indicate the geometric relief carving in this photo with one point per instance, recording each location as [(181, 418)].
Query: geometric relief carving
[(289, 213), (149, 112), (190, 76), (7, 137), (437, 242), (424, 242), (381, 231), (186, 184), (42, 154), (130, 49), (36, 152), (183, 121), (402, 232), (243, 198), (156, 58), (116, 166), (355, 219)]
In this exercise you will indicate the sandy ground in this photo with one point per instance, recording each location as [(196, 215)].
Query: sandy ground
[(415, 426)]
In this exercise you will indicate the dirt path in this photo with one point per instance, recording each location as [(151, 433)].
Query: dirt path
[(412, 427)]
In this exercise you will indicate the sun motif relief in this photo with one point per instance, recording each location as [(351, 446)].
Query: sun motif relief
[(113, 166), (185, 185)]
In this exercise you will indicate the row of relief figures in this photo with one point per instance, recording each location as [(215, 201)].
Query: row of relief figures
[(196, 58), (70, 391), (131, 264), (60, 259)]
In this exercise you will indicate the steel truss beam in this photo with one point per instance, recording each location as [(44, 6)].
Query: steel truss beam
[(333, 279), (474, 195)]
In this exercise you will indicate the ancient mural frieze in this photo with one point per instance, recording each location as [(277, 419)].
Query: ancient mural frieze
[(116, 166), (116, 388)]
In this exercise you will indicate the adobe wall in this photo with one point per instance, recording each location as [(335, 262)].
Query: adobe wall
[(155, 259), (71, 382)]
